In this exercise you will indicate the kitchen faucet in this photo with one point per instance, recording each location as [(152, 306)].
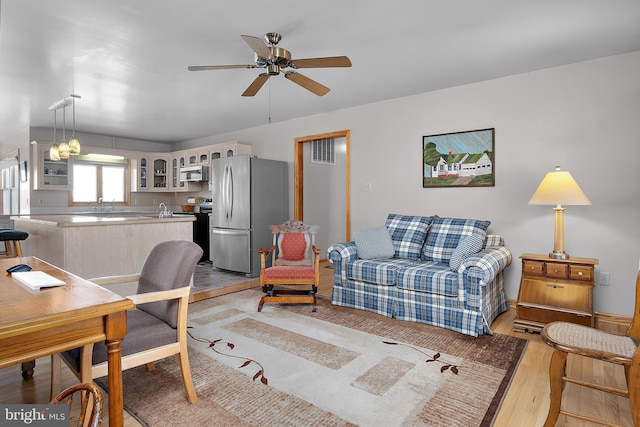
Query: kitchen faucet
[(100, 202), (164, 212)]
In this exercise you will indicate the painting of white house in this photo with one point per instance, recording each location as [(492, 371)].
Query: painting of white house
[(459, 159)]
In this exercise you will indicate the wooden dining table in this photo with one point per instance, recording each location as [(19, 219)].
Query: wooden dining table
[(38, 323)]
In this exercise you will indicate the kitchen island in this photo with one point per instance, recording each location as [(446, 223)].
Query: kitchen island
[(99, 244)]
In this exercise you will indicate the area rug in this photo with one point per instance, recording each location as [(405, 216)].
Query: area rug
[(289, 366)]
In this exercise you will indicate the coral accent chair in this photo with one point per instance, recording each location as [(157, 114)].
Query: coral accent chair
[(293, 259), (580, 340), (156, 328)]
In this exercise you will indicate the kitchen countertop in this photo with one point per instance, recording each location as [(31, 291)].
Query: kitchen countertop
[(70, 220)]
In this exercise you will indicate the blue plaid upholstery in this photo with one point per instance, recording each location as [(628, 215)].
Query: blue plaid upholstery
[(380, 272), (466, 300), (408, 234), (364, 296), (429, 277), (445, 233)]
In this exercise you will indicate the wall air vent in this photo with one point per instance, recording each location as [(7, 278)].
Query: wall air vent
[(323, 151)]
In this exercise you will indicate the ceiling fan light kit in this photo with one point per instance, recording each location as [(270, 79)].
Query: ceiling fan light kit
[(275, 60)]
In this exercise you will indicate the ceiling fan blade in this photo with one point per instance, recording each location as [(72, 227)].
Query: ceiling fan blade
[(330, 61), (258, 46), (218, 67), (307, 83), (255, 86)]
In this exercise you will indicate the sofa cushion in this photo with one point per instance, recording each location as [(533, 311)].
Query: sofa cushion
[(374, 243), (445, 234), (466, 246), (431, 277), (379, 271), (408, 234)]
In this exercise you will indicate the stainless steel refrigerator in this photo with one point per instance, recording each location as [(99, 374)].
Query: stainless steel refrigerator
[(249, 194)]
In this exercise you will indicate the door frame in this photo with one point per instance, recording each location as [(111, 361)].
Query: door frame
[(298, 175)]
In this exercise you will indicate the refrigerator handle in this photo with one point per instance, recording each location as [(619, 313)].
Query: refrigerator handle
[(230, 201), (223, 190)]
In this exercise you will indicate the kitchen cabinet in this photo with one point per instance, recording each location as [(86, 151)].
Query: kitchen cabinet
[(153, 173), (203, 157), (554, 290), (177, 162), (235, 149), (50, 174)]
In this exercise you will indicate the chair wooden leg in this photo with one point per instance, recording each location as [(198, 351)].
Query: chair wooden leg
[(17, 248), (186, 376), (633, 383), (557, 371)]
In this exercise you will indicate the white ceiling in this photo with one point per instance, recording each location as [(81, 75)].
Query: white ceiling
[(128, 59)]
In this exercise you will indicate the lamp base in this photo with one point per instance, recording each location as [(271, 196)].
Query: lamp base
[(558, 255)]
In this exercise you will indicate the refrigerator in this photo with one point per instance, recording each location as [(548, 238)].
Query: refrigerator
[(248, 194)]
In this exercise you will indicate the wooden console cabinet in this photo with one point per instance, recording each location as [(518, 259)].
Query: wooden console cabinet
[(554, 289)]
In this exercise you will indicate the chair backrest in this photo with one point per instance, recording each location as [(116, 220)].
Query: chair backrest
[(90, 413), (294, 241), (169, 265), (634, 329)]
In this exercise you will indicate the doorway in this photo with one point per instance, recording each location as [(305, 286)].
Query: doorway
[(322, 191)]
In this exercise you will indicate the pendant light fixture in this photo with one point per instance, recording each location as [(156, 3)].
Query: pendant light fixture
[(53, 151), (74, 144), (63, 149)]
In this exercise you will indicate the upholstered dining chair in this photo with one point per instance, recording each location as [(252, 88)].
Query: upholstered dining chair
[(91, 403), (156, 328), (292, 259), (568, 338)]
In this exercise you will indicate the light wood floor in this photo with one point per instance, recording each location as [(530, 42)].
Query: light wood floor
[(525, 404)]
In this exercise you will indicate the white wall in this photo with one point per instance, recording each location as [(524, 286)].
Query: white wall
[(584, 117)]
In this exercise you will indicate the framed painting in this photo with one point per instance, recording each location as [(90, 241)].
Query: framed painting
[(459, 159)]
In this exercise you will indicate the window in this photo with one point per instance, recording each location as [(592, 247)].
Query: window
[(95, 179)]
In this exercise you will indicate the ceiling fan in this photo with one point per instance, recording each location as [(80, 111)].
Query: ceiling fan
[(276, 59)]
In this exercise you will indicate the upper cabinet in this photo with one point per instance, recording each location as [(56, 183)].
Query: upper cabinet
[(152, 172), (235, 149), (50, 174)]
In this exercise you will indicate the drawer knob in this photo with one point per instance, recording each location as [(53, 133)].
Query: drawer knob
[(555, 286), (579, 273), (555, 271), (533, 268)]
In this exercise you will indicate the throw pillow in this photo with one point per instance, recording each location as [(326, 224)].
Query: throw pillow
[(446, 233), (467, 246), (408, 234), (374, 243)]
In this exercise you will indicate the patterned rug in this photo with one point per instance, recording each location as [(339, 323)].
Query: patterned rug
[(288, 366)]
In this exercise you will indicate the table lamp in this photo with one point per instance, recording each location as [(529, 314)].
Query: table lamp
[(559, 188)]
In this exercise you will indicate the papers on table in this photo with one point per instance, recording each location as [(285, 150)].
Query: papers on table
[(37, 279)]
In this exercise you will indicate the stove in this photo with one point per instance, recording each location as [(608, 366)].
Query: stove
[(205, 206)]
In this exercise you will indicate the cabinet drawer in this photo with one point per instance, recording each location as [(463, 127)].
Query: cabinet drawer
[(579, 272), (533, 267), (560, 294), (546, 315), (556, 270)]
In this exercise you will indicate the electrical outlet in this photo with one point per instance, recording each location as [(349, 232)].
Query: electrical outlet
[(366, 186), (604, 278)]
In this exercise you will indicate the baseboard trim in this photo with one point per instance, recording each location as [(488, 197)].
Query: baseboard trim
[(603, 320)]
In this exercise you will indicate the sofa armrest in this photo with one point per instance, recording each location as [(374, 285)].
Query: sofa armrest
[(486, 264), (342, 252)]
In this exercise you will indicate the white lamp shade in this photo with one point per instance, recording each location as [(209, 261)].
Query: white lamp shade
[(559, 188)]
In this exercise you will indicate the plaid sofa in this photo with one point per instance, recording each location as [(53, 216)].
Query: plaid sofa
[(445, 272)]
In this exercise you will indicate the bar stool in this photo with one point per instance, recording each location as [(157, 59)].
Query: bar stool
[(12, 239)]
